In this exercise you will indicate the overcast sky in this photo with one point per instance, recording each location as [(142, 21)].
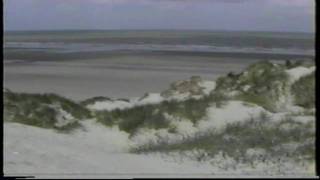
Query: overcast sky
[(256, 15)]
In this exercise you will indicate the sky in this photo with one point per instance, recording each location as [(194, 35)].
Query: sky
[(248, 15)]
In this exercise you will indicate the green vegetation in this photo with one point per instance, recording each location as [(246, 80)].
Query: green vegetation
[(261, 83), (303, 91), (236, 139), (42, 110), (262, 101), (153, 115), (219, 99), (130, 119), (289, 64), (293, 64)]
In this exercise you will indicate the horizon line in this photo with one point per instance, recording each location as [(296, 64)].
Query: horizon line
[(154, 29)]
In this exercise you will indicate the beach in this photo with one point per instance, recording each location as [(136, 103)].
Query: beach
[(159, 89), (98, 103), (117, 77)]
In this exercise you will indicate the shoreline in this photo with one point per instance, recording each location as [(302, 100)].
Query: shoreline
[(118, 76), (30, 55)]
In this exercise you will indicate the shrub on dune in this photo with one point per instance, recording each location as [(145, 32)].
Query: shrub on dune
[(152, 115), (43, 110), (303, 91), (262, 83), (286, 138)]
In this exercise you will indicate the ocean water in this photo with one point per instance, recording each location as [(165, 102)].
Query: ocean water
[(66, 42)]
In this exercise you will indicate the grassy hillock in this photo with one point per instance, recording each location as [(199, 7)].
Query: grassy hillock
[(286, 138), (153, 115), (262, 83), (43, 110), (303, 91)]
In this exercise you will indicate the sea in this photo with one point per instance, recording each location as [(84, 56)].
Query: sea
[(74, 44)]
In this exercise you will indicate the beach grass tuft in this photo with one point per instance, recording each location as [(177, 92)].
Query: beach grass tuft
[(303, 91), (43, 110), (284, 138), (153, 115)]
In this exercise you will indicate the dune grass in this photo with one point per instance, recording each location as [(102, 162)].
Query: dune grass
[(263, 101), (292, 64), (236, 139), (41, 110), (261, 83), (303, 91), (152, 115)]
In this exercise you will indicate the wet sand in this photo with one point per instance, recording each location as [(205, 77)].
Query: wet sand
[(118, 76)]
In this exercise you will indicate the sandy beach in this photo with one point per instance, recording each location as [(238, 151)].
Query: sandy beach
[(120, 76)]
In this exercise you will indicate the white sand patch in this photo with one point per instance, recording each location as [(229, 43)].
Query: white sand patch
[(150, 98), (145, 136), (255, 152), (233, 93), (246, 87), (294, 109), (207, 86), (109, 105), (98, 134), (298, 72), (304, 119), (180, 96), (233, 111), (185, 127), (63, 118), (276, 117), (43, 152)]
